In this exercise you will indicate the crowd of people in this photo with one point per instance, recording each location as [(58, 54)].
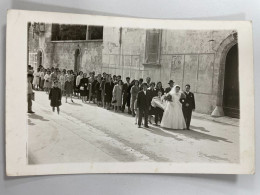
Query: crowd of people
[(105, 90)]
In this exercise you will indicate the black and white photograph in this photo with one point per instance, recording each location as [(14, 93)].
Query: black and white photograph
[(99, 92)]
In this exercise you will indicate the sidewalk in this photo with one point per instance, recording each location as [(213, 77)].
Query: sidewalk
[(224, 119)]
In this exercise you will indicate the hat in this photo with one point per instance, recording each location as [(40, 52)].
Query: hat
[(171, 81)]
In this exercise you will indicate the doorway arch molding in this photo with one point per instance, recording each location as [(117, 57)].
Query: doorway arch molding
[(40, 50), (220, 61)]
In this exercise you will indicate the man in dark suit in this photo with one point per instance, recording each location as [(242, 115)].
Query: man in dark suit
[(188, 105), (151, 93), (126, 95), (143, 105), (168, 89)]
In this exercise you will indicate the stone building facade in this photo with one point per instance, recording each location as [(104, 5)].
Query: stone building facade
[(190, 57)]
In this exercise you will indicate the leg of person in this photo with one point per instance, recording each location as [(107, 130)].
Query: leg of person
[(53, 109), (189, 113), (58, 109), (146, 118), (140, 117), (156, 115), (160, 114), (136, 117), (124, 103), (184, 111), (29, 99)]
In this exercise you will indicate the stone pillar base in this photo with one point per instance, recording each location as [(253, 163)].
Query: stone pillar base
[(218, 112)]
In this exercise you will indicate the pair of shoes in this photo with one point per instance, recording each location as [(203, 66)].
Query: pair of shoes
[(139, 126), (146, 126), (72, 101), (31, 112)]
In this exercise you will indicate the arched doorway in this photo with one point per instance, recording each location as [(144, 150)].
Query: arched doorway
[(77, 60), (39, 58), (231, 84), (222, 54)]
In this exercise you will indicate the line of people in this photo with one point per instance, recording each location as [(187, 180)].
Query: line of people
[(104, 90)]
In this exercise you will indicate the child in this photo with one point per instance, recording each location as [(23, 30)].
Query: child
[(55, 97)]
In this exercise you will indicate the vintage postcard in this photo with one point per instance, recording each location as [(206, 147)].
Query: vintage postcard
[(98, 94)]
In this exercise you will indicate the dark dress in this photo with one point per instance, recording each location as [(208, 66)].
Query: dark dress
[(68, 87), (151, 94), (98, 91), (109, 92), (55, 97), (84, 83), (159, 89)]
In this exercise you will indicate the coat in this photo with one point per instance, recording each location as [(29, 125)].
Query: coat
[(55, 96), (189, 101), (117, 95), (143, 101)]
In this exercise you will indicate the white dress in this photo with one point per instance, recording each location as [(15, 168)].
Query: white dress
[(173, 116)]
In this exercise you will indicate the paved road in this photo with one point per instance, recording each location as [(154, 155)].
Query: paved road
[(87, 133)]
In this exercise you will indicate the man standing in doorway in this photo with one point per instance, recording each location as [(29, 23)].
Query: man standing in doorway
[(188, 105)]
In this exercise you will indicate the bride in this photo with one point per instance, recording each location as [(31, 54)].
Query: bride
[(173, 116)]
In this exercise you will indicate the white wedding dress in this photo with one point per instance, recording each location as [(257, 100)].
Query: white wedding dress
[(173, 116)]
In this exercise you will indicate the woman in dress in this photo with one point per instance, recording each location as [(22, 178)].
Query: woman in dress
[(109, 91), (134, 91), (83, 86), (62, 82), (47, 81), (98, 91), (173, 116), (36, 79), (43, 72), (69, 85), (159, 87), (78, 78), (117, 95)]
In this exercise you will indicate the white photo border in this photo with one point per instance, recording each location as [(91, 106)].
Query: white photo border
[(16, 108)]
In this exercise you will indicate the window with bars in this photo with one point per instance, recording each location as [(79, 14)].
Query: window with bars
[(153, 42)]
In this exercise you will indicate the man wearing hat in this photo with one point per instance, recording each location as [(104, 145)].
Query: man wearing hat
[(168, 89)]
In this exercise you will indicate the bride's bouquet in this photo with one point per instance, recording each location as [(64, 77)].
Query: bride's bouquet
[(168, 97)]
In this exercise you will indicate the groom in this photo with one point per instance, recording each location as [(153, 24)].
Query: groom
[(188, 105), (143, 105)]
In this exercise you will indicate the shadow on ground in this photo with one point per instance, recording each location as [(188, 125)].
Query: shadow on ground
[(193, 134), (35, 116)]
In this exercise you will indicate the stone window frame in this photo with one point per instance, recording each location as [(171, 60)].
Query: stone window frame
[(157, 62)]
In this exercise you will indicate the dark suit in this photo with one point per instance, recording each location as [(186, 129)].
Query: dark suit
[(126, 96), (143, 105), (188, 104), (168, 89)]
